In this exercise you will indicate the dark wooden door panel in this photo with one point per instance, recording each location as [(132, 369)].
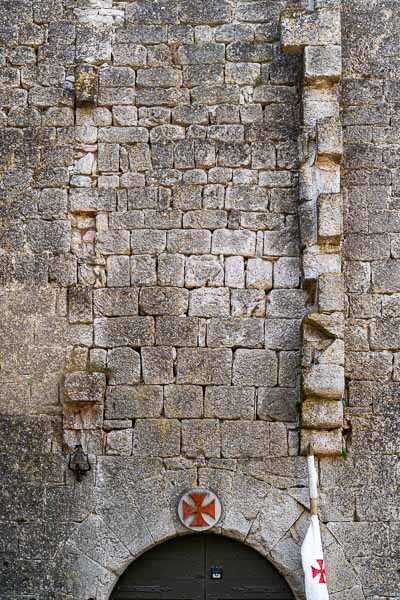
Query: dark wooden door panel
[(246, 574), (181, 570), (172, 571)]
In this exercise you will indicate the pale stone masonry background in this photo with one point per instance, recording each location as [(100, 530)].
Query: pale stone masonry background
[(151, 290)]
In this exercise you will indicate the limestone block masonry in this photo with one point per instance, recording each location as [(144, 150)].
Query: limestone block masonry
[(317, 35), (171, 284)]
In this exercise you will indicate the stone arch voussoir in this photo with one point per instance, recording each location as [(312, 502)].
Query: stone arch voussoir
[(135, 510)]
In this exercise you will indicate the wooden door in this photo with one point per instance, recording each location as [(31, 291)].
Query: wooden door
[(184, 569)]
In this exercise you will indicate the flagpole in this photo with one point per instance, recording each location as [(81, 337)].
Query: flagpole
[(312, 555), (312, 481)]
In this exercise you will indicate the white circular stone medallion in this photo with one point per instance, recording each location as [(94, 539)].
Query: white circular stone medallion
[(199, 509)]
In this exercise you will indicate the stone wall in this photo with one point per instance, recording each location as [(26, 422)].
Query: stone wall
[(371, 128), (153, 293)]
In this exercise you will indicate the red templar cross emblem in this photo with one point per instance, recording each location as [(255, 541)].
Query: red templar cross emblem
[(198, 510), (321, 571)]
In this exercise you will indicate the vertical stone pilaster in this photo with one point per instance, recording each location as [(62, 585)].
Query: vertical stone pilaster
[(317, 33)]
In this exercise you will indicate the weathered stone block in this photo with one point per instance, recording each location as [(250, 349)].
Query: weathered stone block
[(202, 271), (159, 77), (286, 272), (143, 270), (283, 334), (183, 401), (246, 197), (86, 84), (259, 274), (177, 331), (368, 247), (124, 366), (248, 303), (316, 264), (93, 43), (113, 242), (118, 271), (91, 200), (331, 326), (132, 402), (203, 366), (209, 302), (369, 366), (246, 52), (119, 443), (204, 13), (163, 301), (201, 438), (228, 402), (277, 404), (318, 28), (83, 387), (115, 302), (205, 219), (324, 443), (129, 54), (324, 381), (156, 437), (390, 305), (234, 333), (330, 139), (108, 157), (158, 364), (322, 63), (330, 217), (281, 243), (386, 276), (322, 414), (330, 292), (80, 304), (234, 272), (171, 270), (204, 54), (190, 241), (385, 334), (124, 331), (48, 236), (245, 439), (289, 304), (236, 243), (255, 367)]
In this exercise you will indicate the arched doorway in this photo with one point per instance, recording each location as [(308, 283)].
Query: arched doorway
[(201, 567)]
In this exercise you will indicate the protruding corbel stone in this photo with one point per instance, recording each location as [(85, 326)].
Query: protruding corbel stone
[(316, 264), (308, 224), (301, 29), (83, 387), (86, 85), (324, 442), (330, 139), (318, 32), (330, 218), (334, 354), (318, 104), (324, 381), (322, 414), (332, 325), (330, 293), (322, 64)]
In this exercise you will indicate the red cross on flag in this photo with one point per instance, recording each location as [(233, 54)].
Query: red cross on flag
[(312, 555), (313, 563)]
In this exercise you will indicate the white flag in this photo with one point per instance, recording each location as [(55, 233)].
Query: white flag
[(313, 563)]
